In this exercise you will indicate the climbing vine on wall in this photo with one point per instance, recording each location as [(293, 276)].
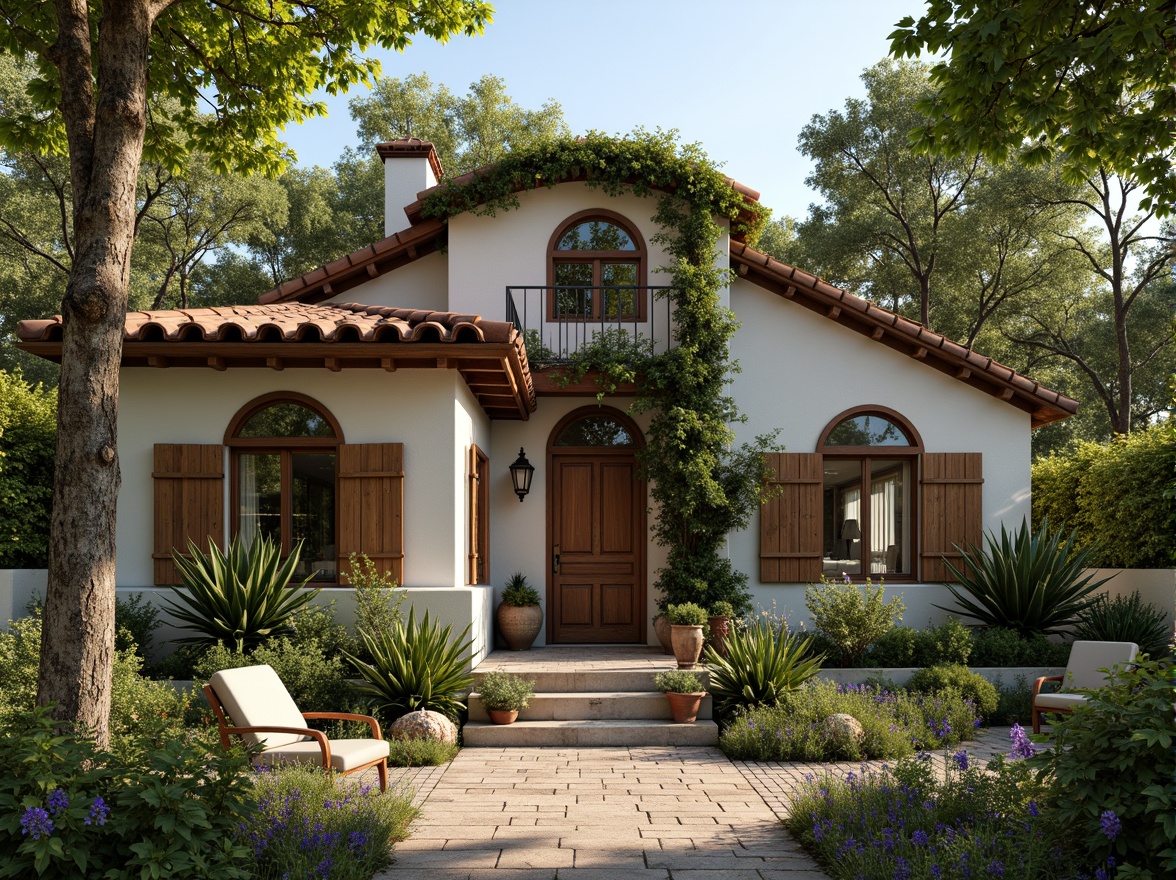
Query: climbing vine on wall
[(702, 487)]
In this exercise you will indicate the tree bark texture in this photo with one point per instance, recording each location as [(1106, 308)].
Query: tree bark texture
[(105, 121)]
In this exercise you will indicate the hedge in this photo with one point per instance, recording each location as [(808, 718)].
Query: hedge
[(28, 441)]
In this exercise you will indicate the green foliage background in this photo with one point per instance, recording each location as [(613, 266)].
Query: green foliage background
[(28, 441)]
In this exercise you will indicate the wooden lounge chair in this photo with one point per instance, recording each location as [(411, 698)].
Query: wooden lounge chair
[(1082, 672), (263, 714)]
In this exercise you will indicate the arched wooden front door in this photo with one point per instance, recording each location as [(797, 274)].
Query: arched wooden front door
[(596, 530)]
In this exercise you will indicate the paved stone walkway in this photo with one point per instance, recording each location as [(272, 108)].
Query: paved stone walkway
[(601, 814)]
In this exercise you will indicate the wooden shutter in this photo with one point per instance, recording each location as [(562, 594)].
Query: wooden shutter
[(952, 507), (790, 523), (371, 505), (189, 502), (479, 515)]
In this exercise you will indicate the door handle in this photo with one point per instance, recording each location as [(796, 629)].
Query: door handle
[(555, 559)]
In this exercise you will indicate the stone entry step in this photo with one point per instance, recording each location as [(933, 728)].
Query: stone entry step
[(592, 706), (613, 732)]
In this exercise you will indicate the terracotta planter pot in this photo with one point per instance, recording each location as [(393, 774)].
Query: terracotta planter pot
[(719, 627), (684, 707), (502, 716), (519, 625), (687, 645), (661, 628)]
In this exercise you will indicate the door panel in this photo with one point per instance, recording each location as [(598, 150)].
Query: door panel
[(597, 582)]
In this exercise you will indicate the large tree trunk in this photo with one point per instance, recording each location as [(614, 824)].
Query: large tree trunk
[(105, 125)]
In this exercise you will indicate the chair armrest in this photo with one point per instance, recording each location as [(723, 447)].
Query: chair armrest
[(1037, 684), (345, 716)]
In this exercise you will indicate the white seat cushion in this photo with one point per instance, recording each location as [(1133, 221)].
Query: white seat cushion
[(1087, 658), (346, 754), (1059, 701), (254, 696)]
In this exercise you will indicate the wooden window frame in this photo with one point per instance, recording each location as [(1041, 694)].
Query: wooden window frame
[(285, 448), (598, 259), (478, 571)]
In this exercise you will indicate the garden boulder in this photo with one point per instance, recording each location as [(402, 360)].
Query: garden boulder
[(424, 724), (843, 728)]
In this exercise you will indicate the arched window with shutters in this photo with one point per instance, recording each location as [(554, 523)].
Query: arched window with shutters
[(596, 265)]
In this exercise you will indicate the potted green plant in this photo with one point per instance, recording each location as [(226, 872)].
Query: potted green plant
[(505, 695), (519, 616), (684, 690), (686, 623), (720, 624)]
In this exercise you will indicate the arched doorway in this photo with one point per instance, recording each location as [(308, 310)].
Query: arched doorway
[(596, 532)]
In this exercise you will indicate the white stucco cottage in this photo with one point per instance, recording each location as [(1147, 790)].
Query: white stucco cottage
[(375, 405)]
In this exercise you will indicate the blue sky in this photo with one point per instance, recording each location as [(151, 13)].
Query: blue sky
[(740, 78)]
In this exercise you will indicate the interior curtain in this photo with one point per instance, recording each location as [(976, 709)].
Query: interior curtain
[(248, 506)]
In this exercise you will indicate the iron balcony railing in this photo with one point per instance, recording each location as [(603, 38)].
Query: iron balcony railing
[(557, 321)]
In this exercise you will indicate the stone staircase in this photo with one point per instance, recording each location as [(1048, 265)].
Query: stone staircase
[(588, 696)]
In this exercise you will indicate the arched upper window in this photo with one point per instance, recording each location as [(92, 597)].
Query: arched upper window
[(283, 471), (596, 267), (596, 430), (870, 463)]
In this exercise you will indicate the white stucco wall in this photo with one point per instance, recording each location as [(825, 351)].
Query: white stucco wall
[(800, 370), (421, 284)]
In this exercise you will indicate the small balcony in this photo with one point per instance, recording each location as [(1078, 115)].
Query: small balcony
[(557, 321)]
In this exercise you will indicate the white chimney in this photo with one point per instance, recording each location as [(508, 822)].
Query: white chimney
[(410, 165)]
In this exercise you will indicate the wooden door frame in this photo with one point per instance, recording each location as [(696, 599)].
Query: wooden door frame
[(642, 549)]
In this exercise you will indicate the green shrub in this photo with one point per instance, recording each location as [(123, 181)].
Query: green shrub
[(314, 624), (722, 608), (317, 683), (1126, 619), (1100, 490), (518, 593), (950, 642), (761, 666), (950, 676), (377, 599), (307, 826), (678, 681), (686, 614), (416, 666), (1028, 581), (28, 446), (1001, 646), (1014, 703), (240, 598), (173, 812), (135, 620), (898, 646), (853, 618), (893, 723), (503, 691), (409, 752), (1116, 754)]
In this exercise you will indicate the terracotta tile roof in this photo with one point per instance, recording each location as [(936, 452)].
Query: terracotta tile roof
[(490, 355), (910, 337), (411, 147), (339, 276)]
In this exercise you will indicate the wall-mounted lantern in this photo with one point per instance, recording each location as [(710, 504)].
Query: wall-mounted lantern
[(520, 474)]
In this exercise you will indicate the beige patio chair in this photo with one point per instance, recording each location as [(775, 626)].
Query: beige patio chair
[(1082, 672), (256, 702)]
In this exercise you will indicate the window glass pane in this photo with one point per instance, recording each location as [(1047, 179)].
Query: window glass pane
[(286, 420), (619, 304), (573, 303), (596, 235), (867, 430), (889, 516), (594, 431), (313, 505), (842, 518), (259, 489)]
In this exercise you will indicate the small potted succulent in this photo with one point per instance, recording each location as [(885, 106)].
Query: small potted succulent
[(720, 624), (686, 623), (519, 616), (684, 690), (505, 695)]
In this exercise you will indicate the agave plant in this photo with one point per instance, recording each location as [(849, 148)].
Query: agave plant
[(1031, 582), (1126, 619), (760, 667), (416, 667), (237, 599)]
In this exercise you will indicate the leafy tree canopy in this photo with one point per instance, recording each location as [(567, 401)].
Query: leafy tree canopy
[(1092, 83)]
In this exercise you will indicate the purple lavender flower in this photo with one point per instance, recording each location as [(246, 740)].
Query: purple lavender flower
[(58, 800), (1033, 811), (919, 838), (936, 871), (36, 823), (1022, 748), (961, 759), (98, 812), (1100, 874), (1110, 824), (996, 868), (978, 723)]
